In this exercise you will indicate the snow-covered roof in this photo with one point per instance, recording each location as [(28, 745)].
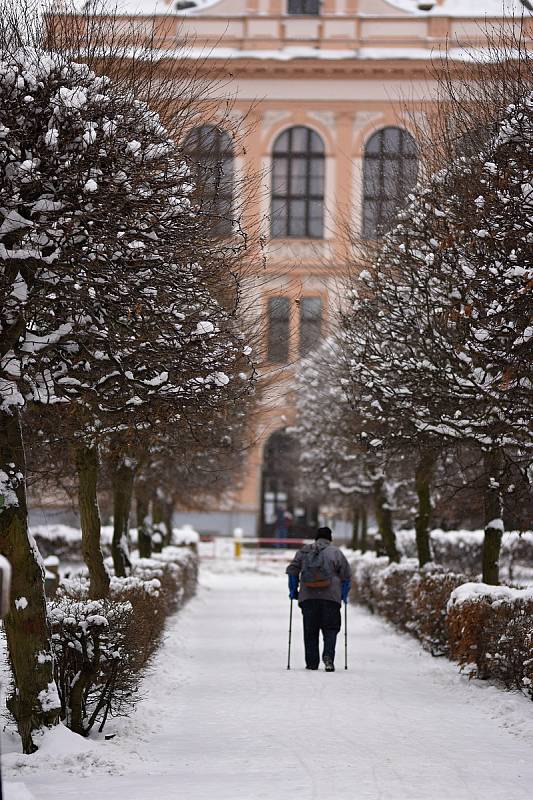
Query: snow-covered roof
[(477, 54), (446, 8), (146, 8), (464, 8)]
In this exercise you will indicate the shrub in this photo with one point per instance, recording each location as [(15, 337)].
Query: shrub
[(101, 648), (428, 593), (93, 668), (490, 631), (365, 571), (392, 599), (460, 551), (412, 599)]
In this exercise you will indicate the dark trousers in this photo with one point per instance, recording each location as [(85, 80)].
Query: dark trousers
[(325, 616)]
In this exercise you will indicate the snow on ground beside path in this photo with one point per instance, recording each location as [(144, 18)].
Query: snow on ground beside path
[(224, 719)]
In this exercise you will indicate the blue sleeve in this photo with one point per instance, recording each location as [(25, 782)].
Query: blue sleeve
[(293, 587), (345, 590)]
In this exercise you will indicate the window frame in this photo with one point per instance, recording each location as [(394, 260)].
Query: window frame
[(278, 343), (375, 225), (218, 159), (287, 199), (305, 345)]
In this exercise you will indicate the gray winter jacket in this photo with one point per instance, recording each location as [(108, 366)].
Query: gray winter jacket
[(339, 566)]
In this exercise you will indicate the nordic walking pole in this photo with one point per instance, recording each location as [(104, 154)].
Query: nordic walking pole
[(346, 636), (290, 634)]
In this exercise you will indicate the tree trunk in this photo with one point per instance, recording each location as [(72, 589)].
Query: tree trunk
[(364, 529), (35, 702), (384, 519), (425, 468), (168, 513), (87, 468), (356, 517), (493, 517), (123, 479), (158, 536), (144, 528)]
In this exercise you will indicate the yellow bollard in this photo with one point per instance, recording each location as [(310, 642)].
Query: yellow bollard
[(237, 544)]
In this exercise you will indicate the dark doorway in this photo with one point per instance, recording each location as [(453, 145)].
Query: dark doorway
[(282, 515)]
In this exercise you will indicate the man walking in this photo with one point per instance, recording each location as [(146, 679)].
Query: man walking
[(323, 575)]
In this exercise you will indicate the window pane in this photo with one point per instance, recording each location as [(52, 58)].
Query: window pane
[(409, 145), (316, 167), (279, 218), (315, 209), (316, 187), (278, 329), (317, 146), (370, 209), (316, 228), (410, 173), (372, 173), (388, 207), (391, 142), (297, 218), (299, 139), (280, 183), (316, 181), (282, 143), (298, 176), (279, 307), (310, 323), (225, 183), (311, 308), (373, 146), (390, 177)]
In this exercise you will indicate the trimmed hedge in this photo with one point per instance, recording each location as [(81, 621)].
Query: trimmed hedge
[(488, 630), (460, 551), (102, 647), (64, 541), (412, 599)]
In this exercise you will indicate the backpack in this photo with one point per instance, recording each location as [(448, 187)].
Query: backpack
[(316, 572)]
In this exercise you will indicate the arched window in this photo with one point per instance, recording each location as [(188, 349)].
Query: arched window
[(298, 184), (211, 151), (389, 173)]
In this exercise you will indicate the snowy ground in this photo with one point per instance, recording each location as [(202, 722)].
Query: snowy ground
[(225, 720)]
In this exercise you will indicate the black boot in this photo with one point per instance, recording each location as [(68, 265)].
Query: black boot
[(328, 664)]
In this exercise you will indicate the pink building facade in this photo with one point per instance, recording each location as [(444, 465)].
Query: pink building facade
[(327, 93)]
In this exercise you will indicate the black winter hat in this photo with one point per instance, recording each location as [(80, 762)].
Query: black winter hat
[(323, 533)]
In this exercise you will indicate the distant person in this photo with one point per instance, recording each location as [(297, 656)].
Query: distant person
[(319, 578)]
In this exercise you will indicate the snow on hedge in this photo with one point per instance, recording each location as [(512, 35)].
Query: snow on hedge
[(185, 535), (469, 592)]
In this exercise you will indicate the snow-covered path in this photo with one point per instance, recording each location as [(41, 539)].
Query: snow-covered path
[(225, 720)]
